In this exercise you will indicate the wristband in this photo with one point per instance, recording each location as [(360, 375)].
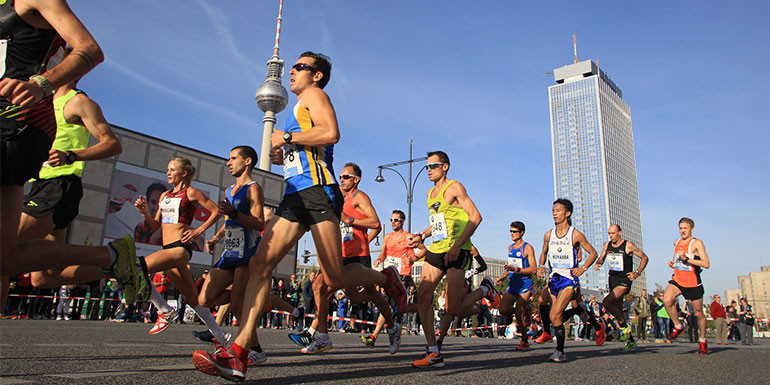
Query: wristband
[(43, 83)]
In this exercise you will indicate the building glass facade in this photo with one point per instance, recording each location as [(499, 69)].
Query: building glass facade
[(594, 164)]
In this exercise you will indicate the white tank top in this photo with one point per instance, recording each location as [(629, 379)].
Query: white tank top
[(562, 256)]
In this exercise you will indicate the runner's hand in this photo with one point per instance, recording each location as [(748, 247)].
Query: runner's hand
[(632, 275), (452, 254), (499, 280), (225, 207), (413, 241), (377, 262), (141, 205), (540, 272), (276, 139), (276, 156), (21, 93), (671, 264), (210, 245), (578, 271), (56, 158), (189, 236), (598, 266)]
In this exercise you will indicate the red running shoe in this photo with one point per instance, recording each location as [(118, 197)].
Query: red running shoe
[(523, 345), (222, 363), (704, 348), (545, 337), (600, 335), (674, 334)]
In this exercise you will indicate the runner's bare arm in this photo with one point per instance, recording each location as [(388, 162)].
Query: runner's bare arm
[(325, 130), (700, 250), (85, 56), (543, 254), (459, 195), (580, 239), (256, 219), (383, 253), (197, 197), (632, 249), (141, 206), (600, 261), (213, 241), (84, 110), (529, 253)]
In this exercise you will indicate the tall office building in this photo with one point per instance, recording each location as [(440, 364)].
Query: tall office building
[(594, 164)]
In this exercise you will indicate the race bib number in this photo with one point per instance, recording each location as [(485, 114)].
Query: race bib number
[(235, 242), (3, 49), (682, 265), (516, 262), (169, 210), (346, 231), (438, 227), (393, 261), (292, 164), (560, 261), (615, 261)]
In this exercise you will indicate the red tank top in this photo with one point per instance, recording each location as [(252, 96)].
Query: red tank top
[(175, 207), (354, 240)]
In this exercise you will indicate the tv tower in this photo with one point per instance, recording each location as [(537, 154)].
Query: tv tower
[(271, 96)]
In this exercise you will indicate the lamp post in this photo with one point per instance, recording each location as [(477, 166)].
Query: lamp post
[(409, 185)]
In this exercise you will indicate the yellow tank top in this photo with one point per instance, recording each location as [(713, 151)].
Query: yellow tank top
[(69, 137), (447, 222)]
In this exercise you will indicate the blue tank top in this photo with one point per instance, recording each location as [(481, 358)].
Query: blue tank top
[(305, 166), (240, 240), (517, 258)]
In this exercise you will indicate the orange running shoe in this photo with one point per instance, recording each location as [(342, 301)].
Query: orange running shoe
[(545, 337)]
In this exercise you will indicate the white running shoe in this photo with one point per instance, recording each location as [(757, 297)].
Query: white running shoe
[(318, 345), (256, 357), (557, 356), (395, 338)]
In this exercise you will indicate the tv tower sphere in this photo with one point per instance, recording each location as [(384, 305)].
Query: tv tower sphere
[(271, 95)]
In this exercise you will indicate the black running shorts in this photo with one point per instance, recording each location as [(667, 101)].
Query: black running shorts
[(22, 152), (463, 261), (365, 260), (58, 196), (691, 293), (312, 205), (619, 280)]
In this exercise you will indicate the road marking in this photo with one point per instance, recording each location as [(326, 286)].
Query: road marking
[(130, 345), (60, 345), (96, 373), (14, 380)]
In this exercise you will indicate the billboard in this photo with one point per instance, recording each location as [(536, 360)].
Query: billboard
[(128, 182)]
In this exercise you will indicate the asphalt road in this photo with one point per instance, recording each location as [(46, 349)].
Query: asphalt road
[(94, 352)]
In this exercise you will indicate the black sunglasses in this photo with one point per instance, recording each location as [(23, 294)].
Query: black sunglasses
[(433, 166), (302, 66), (515, 231)]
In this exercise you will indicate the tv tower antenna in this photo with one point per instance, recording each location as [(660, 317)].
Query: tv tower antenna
[(271, 96), (574, 46)]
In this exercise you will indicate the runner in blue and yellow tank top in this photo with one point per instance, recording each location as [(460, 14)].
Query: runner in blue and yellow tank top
[(520, 267), (560, 248), (312, 201)]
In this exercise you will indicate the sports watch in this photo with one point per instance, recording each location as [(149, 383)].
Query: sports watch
[(71, 157), (287, 137)]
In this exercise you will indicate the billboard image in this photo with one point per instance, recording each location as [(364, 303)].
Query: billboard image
[(128, 182)]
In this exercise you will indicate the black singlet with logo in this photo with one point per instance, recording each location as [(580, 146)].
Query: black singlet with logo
[(620, 251)]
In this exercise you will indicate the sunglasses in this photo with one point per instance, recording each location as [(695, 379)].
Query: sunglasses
[(347, 176), (394, 220), (433, 166), (515, 231), (302, 66)]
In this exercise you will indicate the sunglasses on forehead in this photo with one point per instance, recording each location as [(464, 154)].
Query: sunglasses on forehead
[(433, 166), (302, 66)]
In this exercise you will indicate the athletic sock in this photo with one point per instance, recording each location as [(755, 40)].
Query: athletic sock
[(592, 320), (158, 301), (257, 348), (545, 316), (559, 337), (433, 349), (311, 330), (295, 313), (240, 353), (205, 315), (679, 327), (701, 339), (571, 312)]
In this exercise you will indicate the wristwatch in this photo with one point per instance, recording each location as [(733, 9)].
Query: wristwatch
[(287, 137), (71, 157), (352, 220)]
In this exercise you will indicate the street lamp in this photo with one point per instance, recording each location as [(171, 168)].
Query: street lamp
[(409, 185)]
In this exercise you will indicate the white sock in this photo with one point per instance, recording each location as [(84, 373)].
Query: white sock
[(295, 313), (701, 340), (158, 301), (205, 314), (679, 327), (311, 330), (433, 349)]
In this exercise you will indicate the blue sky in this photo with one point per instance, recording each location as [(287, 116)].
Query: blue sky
[(469, 78)]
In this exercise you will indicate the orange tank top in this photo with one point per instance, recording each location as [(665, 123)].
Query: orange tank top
[(685, 274), (395, 247), (354, 240)]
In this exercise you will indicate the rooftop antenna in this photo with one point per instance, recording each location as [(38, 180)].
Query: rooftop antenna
[(271, 95), (574, 46)]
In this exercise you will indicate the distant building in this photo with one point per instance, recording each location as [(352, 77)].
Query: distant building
[(754, 287), (594, 163)]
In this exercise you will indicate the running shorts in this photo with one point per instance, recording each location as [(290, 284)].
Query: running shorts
[(557, 283), (463, 261), (179, 243), (22, 152), (519, 284), (364, 260), (691, 293), (58, 196), (312, 205), (619, 280)]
